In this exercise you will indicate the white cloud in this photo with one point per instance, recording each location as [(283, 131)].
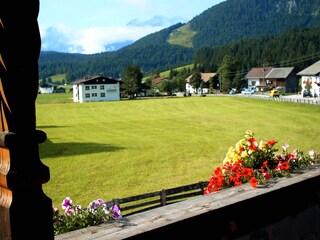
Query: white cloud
[(94, 40), (88, 26)]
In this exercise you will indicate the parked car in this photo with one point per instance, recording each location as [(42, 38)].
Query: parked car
[(248, 91), (274, 93), (307, 93), (233, 91)]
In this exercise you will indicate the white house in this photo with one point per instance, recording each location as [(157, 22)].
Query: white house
[(205, 77), (94, 89), (311, 75), (47, 88), (256, 76)]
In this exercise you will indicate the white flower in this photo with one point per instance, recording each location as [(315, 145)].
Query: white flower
[(312, 154)]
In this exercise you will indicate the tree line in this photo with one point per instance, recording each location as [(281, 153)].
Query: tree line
[(298, 48)]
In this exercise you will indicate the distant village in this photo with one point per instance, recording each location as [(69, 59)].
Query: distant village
[(286, 80)]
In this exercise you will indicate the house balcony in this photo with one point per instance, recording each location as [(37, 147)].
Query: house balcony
[(287, 208)]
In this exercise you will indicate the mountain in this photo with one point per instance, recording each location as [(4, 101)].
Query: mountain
[(56, 39), (234, 20), (155, 21), (226, 23), (117, 45)]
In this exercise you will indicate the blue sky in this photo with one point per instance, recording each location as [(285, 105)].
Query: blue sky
[(89, 26)]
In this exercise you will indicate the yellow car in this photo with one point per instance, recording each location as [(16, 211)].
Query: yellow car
[(274, 93)]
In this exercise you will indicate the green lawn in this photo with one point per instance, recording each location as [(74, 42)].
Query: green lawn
[(123, 148)]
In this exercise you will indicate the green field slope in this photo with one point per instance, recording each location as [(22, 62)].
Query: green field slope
[(117, 149)]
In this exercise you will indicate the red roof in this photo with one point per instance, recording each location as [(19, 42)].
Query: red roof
[(258, 72), (157, 80)]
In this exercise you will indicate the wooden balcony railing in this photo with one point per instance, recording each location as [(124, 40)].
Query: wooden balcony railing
[(288, 208)]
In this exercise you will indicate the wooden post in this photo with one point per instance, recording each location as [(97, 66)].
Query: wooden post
[(25, 211), (163, 197)]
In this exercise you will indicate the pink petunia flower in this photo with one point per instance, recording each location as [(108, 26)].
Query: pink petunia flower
[(66, 202)]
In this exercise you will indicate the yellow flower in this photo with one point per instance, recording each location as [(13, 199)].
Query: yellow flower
[(244, 154), (248, 134), (229, 155), (240, 145), (262, 145), (236, 158), (250, 151)]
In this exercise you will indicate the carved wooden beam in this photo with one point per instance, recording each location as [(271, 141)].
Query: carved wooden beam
[(25, 211)]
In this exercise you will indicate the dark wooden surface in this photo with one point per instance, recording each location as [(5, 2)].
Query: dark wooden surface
[(25, 211)]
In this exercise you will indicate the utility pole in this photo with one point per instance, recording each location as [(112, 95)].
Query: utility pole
[(263, 69), (25, 211)]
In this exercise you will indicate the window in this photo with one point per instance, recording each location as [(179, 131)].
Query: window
[(102, 95), (101, 87), (94, 94), (87, 87), (111, 90), (94, 87), (268, 81), (87, 95)]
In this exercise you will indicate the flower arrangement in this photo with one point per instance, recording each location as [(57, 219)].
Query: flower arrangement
[(248, 161), (75, 217), (253, 162)]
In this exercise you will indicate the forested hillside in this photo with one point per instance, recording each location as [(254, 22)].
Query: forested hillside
[(247, 29), (297, 48), (152, 53), (234, 20)]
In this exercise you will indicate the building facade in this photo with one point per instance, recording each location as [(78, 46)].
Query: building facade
[(310, 78), (264, 79), (96, 89)]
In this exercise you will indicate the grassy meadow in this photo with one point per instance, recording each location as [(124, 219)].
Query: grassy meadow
[(123, 148)]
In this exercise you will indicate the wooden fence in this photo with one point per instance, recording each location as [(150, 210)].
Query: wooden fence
[(147, 201)]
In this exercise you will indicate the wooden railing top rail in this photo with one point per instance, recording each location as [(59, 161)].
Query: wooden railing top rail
[(146, 201)]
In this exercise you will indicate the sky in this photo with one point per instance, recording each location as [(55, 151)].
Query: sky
[(94, 26)]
